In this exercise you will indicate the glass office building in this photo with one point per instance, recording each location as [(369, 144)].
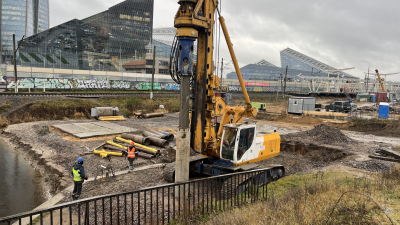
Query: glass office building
[(21, 17), (102, 42), (299, 61), (299, 66)]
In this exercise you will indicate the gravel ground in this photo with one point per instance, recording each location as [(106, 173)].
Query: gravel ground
[(371, 165), (59, 152)]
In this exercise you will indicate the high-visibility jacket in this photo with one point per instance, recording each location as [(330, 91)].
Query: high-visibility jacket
[(131, 152), (77, 175)]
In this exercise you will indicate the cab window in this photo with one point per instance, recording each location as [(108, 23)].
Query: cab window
[(228, 143), (245, 141)]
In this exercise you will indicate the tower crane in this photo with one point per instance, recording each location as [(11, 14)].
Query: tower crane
[(223, 148)]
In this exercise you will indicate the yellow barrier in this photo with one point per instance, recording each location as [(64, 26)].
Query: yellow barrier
[(104, 154), (111, 118), (136, 144)]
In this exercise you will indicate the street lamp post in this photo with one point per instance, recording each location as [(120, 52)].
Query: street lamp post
[(367, 87)]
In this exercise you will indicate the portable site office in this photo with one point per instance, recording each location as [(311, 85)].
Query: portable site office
[(297, 105)]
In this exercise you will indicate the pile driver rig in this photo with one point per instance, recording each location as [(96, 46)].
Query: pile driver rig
[(231, 145)]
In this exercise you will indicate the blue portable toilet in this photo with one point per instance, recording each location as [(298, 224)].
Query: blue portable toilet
[(384, 110)]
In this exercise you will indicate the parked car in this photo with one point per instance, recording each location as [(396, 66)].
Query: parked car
[(353, 106), (339, 106)]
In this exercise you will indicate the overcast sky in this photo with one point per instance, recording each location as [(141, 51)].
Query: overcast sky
[(339, 33)]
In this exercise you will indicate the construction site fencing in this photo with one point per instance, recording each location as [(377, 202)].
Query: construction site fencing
[(177, 202)]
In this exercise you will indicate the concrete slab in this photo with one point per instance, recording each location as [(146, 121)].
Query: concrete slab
[(91, 126), (93, 129), (71, 128)]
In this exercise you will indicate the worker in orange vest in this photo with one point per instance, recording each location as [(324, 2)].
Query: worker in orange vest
[(132, 153)]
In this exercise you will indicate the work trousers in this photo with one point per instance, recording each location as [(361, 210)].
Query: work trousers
[(131, 161), (77, 188)]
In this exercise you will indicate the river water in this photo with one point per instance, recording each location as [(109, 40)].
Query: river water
[(21, 186)]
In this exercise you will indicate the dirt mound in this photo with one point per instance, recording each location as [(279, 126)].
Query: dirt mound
[(391, 129), (322, 134), (377, 127)]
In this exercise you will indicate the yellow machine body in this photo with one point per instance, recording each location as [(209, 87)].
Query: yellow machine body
[(104, 154), (241, 144), (195, 18), (380, 81)]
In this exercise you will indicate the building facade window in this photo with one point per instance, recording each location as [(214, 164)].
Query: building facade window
[(163, 71)]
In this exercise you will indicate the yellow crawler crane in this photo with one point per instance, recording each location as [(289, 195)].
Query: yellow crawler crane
[(380, 81), (233, 146)]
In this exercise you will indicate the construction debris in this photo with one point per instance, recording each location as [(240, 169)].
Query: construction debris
[(386, 155)]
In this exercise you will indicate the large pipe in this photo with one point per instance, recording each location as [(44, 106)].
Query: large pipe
[(169, 135), (162, 136), (137, 139), (136, 144), (159, 142), (158, 133), (110, 147), (150, 134), (117, 145), (147, 151), (104, 154), (150, 115), (144, 155)]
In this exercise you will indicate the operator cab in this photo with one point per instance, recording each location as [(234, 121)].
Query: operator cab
[(237, 139)]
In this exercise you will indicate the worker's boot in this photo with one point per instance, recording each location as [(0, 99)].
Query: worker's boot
[(77, 197), (130, 169)]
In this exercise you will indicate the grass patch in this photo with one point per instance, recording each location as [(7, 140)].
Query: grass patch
[(53, 110), (311, 198), (4, 108)]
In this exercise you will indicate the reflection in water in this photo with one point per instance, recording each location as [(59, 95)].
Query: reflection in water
[(20, 184)]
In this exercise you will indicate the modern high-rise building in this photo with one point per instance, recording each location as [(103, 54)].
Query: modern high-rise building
[(102, 42), (21, 17)]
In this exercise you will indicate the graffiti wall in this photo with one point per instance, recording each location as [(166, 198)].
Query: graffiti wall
[(88, 84), (92, 84)]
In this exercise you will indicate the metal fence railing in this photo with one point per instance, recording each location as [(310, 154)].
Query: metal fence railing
[(156, 205)]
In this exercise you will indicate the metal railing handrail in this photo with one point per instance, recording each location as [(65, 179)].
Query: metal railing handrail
[(91, 199)]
